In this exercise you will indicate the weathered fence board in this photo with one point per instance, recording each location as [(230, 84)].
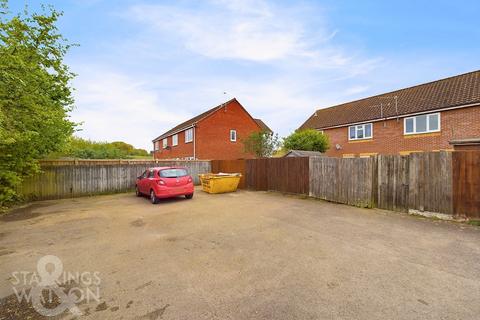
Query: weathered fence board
[(290, 175), (348, 181), (78, 178), (392, 182), (230, 166), (466, 184), (430, 182)]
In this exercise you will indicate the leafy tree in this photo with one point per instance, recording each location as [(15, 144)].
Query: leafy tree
[(309, 140), (86, 149), (261, 144), (35, 94)]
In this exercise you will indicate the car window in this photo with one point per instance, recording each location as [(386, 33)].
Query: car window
[(173, 173), (151, 174), (144, 174)]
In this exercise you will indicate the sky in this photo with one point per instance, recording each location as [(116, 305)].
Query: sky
[(145, 66)]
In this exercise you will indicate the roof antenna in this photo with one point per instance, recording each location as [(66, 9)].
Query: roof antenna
[(224, 103)]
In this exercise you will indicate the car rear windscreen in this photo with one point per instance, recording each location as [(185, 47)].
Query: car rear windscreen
[(173, 173)]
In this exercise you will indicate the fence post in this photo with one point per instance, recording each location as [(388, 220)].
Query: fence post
[(374, 186)]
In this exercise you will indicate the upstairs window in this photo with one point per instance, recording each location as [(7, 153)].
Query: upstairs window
[(361, 131), (175, 140), (233, 135), (165, 143), (424, 123), (189, 135), (156, 145)]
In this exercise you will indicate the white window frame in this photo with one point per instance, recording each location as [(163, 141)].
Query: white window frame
[(363, 128), (175, 140), (156, 145), (165, 143), (415, 124), (189, 135), (235, 135)]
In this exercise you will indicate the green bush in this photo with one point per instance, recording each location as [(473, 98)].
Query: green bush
[(86, 149), (309, 140)]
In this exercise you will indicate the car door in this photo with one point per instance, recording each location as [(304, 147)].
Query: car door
[(142, 181), (149, 181)]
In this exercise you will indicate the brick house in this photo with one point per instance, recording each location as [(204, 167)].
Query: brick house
[(439, 115), (214, 134)]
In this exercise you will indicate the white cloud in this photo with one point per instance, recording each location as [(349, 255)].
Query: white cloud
[(248, 30), (356, 90), (280, 62), (116, 107)]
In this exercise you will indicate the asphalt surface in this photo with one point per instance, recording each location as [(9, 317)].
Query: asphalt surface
[(245, 255)]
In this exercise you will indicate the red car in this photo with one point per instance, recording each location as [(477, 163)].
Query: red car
[(164, 182)]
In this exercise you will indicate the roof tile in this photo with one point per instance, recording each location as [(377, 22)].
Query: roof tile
[(450, 92)]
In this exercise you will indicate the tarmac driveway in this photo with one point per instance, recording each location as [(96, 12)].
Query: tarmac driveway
[(244, 255)]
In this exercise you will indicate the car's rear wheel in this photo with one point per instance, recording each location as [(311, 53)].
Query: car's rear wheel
[(137, 192), (189, 196), (153, 197)]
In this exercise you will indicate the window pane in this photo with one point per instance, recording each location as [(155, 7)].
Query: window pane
[(421, 123), (173, 173), (409, 125), (360, 132), (433, 122), (352, 132), (368, 130), (188, 135)]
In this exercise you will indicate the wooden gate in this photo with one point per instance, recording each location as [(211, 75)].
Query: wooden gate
[(466, 183), (230, 166), (290, 175)]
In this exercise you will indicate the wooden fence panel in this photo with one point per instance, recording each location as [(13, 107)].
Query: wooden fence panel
[(230, 166), (289, 175), (79, 178), (347, 181), (392, 182), (256, 174), (430, 182), (466, 184)]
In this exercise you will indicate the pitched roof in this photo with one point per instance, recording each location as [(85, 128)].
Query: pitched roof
[(455, 91), (189, 123), (263, 126), (192, 121), (303, 153)]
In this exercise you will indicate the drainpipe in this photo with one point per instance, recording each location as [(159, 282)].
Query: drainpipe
[(194, 138)]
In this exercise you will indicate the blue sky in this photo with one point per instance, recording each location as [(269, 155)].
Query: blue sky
[(145, 66)]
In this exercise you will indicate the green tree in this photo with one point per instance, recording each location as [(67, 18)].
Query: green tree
[(309, 140), (261, 144), (35, 94), (86, 149)]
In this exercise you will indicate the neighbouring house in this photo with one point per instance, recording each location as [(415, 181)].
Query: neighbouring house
[(303, 153), (428, 117), (214, 134)]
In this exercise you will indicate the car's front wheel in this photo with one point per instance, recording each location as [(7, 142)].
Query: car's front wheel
[(137, 192), (153, 197), (189, 196)]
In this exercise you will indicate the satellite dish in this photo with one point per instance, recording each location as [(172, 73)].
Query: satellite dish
[(338, 147)]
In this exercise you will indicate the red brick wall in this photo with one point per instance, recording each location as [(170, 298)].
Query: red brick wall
[(388, 137), (212, 139), (182, 150), (213, 133)]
